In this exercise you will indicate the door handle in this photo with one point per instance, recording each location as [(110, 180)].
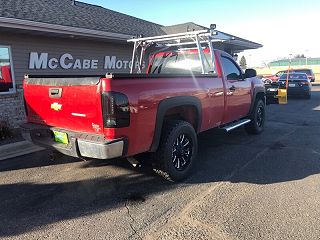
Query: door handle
[(55, 92), (218, 94), (232, 88)]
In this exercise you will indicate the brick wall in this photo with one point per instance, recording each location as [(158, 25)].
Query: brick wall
[(12, 109)]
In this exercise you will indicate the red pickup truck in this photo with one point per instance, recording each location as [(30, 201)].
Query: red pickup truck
[(5, 78), (161, 111)]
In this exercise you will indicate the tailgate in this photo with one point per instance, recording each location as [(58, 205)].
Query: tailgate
[(72, 103)]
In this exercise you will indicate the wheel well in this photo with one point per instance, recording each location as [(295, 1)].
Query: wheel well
[(186, 113), (260, 95), (184, 108)]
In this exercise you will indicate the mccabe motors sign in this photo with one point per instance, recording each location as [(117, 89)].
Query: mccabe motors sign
[(67, 61)]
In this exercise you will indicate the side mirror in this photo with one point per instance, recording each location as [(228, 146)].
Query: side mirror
[(249, 73)]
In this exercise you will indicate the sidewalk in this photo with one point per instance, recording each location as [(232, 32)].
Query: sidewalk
[(17, 149)]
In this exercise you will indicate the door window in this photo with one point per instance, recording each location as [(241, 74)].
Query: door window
[(231, 71)]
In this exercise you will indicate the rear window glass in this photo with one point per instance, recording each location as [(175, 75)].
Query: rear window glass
[(180, 63), (306, 71), (294, 77)]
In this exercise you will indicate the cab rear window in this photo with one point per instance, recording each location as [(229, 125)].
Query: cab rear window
[(178, 62)]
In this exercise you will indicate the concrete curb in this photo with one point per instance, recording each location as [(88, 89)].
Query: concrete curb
[(18, 149)]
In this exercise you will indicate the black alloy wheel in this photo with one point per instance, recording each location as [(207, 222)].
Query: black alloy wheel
[(175, 157), (260, 115), (182, 152)]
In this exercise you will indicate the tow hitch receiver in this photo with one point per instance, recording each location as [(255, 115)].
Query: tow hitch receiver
[(134, 162)]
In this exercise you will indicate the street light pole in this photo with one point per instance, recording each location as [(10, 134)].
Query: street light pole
[(290, 57), (306, 57), (287, 81)]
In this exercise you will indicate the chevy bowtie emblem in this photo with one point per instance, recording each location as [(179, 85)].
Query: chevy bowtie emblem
[(56, 106)]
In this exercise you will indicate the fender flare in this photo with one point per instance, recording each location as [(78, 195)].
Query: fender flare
[(167, 104), (256, 91)]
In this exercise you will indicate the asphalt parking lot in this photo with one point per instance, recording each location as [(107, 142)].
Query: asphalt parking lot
[(244, 187)]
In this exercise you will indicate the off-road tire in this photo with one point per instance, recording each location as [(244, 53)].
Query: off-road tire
[(258, 115), (164, 163)]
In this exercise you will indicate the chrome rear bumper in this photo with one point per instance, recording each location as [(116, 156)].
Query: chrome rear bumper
[(100, 150), (80, 144)]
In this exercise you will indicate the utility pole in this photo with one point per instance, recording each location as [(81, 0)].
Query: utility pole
[(306, 57)]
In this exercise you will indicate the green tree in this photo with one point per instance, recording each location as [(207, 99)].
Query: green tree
[(243, 62)]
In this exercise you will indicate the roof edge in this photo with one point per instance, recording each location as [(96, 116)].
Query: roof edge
[(233, 39), (259, 45), (61, 29)]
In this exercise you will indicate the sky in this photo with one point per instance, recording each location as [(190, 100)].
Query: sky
[(283, 26)]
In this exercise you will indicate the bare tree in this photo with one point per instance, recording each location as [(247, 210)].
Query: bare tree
[(243, 62)]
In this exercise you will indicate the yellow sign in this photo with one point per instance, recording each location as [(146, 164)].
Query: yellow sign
[(282, 96), (56, 106)]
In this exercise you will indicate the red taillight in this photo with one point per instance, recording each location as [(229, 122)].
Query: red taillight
[(116, 111)]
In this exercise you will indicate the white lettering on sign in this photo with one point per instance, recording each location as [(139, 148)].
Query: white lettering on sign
[(77, 64), (63, 60), (53, 63), (38, 61), (119, 64), (125, 64), (94, 64), (110, 62), (86, 64), (67, 61)]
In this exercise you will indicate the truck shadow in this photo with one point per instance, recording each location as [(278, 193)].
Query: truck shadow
[(26, 206), (37, 160), (288, 150)]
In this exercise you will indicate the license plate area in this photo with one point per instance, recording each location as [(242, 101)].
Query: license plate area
[(272, 89), (60, 137), (292, 85)]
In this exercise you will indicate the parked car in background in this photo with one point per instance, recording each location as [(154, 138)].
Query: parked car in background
[(307, 71), (274, 78), (298, 84), (5, 78), (271, 92), (268, 79)]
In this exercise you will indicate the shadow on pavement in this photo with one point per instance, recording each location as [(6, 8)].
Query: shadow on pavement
[(282, 153), (39, 159), (26, 206)]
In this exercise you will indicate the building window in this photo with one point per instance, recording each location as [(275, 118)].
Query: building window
[(7, 84)]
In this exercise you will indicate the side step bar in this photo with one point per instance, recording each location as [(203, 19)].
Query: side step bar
[(235, 125)]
